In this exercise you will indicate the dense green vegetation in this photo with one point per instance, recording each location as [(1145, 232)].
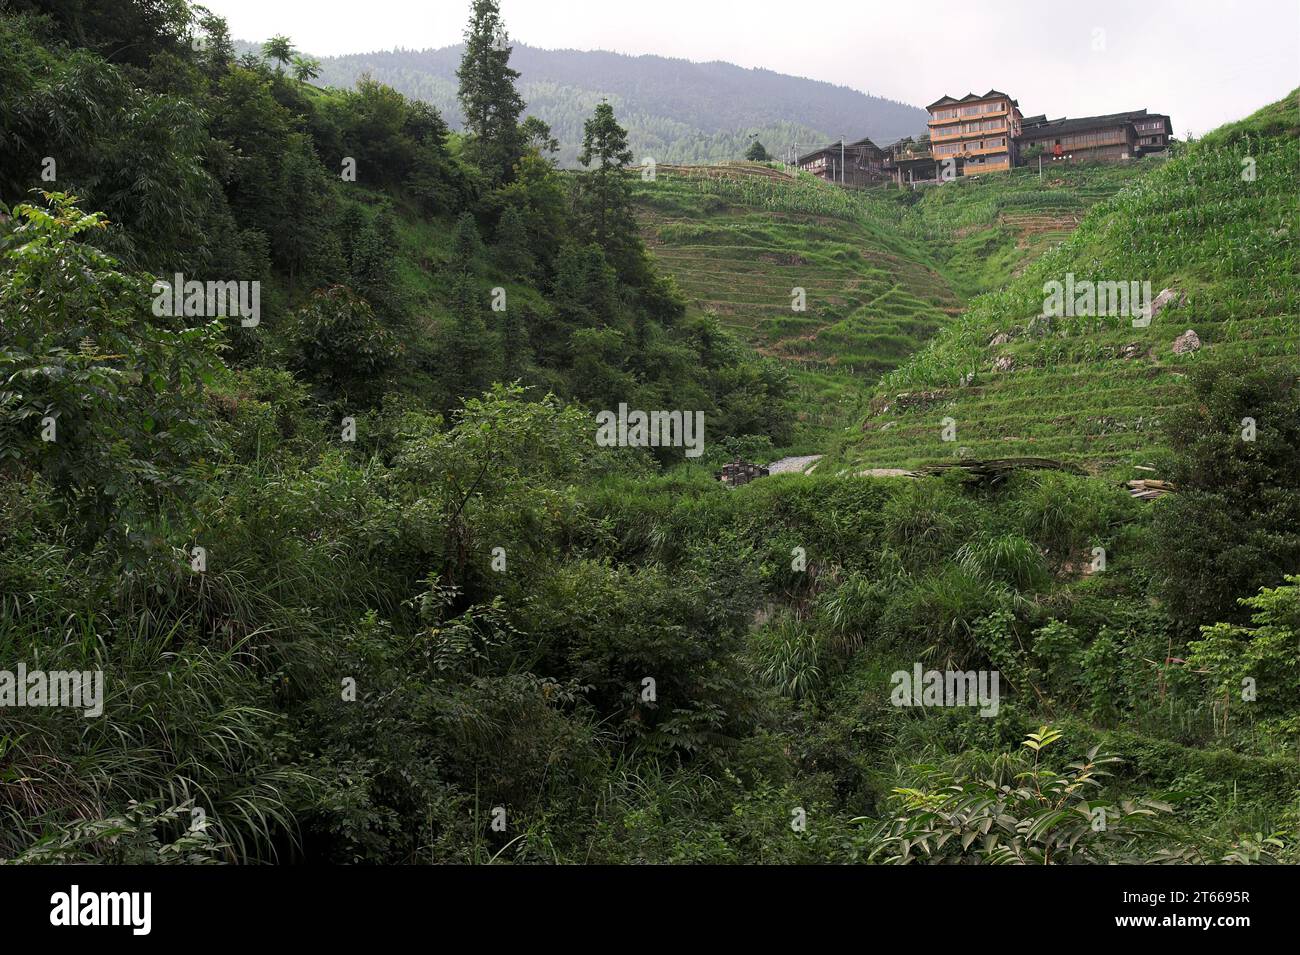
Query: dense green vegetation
[(364, 588)]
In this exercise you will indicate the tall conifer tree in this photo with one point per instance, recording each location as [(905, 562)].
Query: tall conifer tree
[(606, 200), (488, 96)]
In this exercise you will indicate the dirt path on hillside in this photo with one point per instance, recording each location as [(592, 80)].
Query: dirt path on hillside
[(800, 464)]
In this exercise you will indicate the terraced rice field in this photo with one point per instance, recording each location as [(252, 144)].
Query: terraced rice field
[(1092, 390), (883, 270), (1093, 414), (985, 231), (740, 239), (937, 294), (869, 297)]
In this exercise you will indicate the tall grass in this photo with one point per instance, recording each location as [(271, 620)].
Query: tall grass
[(789, 657)]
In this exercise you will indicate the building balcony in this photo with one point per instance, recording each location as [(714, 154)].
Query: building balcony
[(986, 151), (949, 136), (991, 114), (998, 166), (1067, 144)]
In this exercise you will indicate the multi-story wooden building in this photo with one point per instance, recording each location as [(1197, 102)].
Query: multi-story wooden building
[(1111, 138), (977, 133), (851, 164)]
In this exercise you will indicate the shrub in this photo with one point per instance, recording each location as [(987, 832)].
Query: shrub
[(340, 344), (1058, 650), (924, 521), (658, 653), (943, 611), (82, 354), (1234, 525), (1267, 654), (1064, 514), (851, 610), (1043, 818)]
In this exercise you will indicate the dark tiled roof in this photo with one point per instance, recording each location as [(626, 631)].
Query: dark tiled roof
[(808, 157), (1056, 126), (946, 100), (835, 148), (922, 140)]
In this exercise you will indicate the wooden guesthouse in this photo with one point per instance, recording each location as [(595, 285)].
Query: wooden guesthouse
[(910, 161), (858, 163), (975, 134), (1114, 137)]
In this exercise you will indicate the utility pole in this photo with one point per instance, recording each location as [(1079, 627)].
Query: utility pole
[(1040, 165), (841, 160)]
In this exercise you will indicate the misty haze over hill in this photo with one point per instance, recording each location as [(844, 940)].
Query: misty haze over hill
[(674, 110)]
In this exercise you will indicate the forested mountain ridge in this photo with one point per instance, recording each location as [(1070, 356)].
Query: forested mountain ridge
[(674, 110)]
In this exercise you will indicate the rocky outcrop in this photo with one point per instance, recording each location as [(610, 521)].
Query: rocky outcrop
[(1166, 298), (1188, 341), (907, 401)]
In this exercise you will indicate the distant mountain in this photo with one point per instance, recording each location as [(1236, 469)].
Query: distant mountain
[(674, 110)]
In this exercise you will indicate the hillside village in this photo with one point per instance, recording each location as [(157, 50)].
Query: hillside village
[(976, 134)]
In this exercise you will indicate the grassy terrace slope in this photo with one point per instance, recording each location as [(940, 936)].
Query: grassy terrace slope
[(740, 238), (984, 231), (884, 269), (1092, 389)]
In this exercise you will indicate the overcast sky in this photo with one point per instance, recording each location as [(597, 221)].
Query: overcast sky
[(1204, 62)]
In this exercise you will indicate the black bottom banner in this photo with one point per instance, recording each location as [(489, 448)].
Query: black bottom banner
[(215, 904)]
